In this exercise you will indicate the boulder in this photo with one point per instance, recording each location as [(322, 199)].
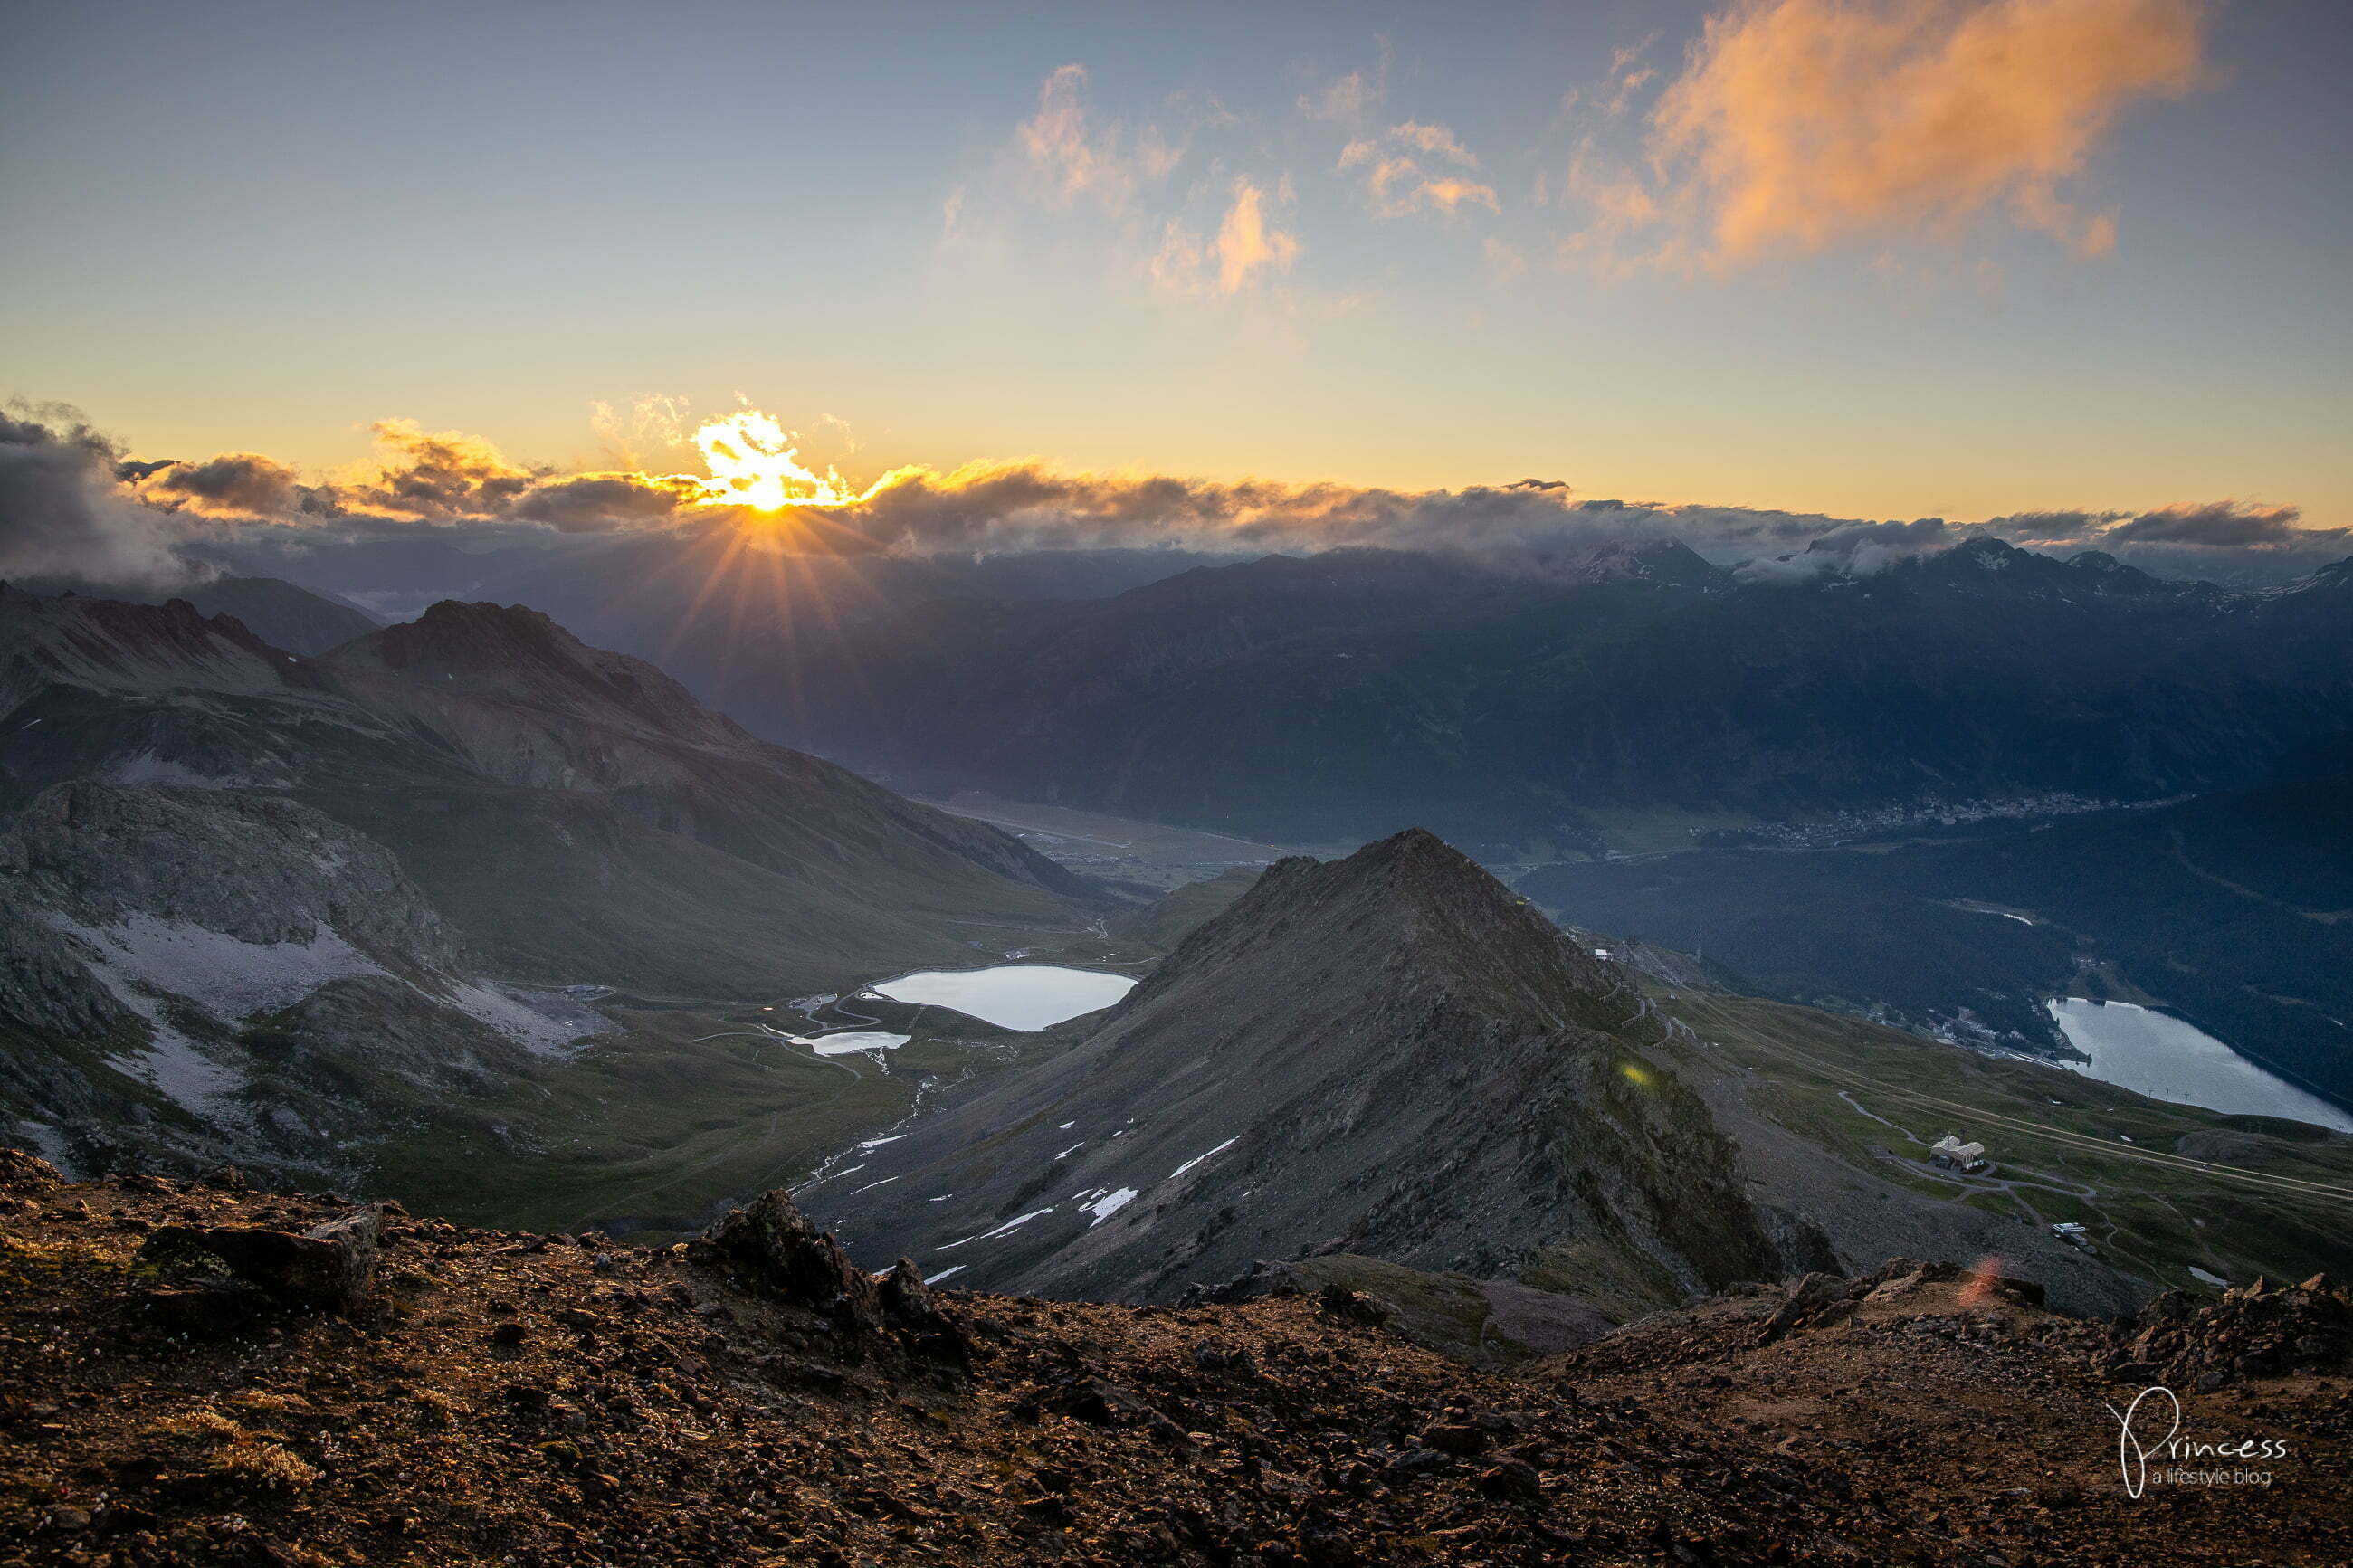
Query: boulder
[(328, 1268), (1815, 1301), (2262, 1330)]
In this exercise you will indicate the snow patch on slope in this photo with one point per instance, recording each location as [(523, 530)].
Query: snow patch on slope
[(145, 958)]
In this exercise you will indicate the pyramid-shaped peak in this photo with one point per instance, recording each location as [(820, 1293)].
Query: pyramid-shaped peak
[(1410, 903), (1418, 851)]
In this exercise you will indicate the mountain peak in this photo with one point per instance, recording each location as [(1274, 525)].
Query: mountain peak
[(519, 658), (454, 631), (1389, 1048), (1414, 849), (1985, 550), (1414, 903)]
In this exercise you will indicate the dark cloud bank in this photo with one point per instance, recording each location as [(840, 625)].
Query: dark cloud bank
[(71, 506)]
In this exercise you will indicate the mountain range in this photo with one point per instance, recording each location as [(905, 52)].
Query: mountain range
[(267, 907), (1346, 695), (466, 906)]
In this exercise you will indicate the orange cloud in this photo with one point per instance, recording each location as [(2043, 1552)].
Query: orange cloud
[(428, 474), (1800, 123), (1247, 243), (231, 485), (1077, 160), (1397, 182)]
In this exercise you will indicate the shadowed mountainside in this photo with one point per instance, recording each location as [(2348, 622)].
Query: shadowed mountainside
[(1387, 1052), (262, 906), (1346, 694), (574, 812)]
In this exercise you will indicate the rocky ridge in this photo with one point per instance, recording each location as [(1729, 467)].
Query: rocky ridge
[(487, 1396)]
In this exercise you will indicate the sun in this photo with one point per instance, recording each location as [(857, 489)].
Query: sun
[(754, 462)]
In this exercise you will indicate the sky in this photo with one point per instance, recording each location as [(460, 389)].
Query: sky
[(1878, 259)]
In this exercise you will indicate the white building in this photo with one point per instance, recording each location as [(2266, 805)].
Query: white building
[(1951, 1154)]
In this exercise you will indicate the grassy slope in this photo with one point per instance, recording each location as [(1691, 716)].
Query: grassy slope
[(653, 1130), (558, 887), (2153, 1213), (650, 1130), (1173, 919)]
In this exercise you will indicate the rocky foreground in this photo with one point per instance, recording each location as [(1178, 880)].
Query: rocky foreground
[(198, 1374)]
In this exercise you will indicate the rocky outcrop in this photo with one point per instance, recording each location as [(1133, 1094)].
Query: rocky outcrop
[(510, 1396), (2259, 1331), (773, 1246), (23, 1173), (773, 1249), (199, 974)]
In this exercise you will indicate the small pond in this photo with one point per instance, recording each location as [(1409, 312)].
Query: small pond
[(1026, 996)]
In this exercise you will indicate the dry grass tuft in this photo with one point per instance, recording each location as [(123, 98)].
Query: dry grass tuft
[(264, 1467), (198, 1426)]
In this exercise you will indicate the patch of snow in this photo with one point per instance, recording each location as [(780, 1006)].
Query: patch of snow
[(941, 1199), (544, 1023), (145, 769), (877, 1142), (1102, 1208), (2210, 1279), (219, 974), (1072, 1150), (1198, 1158), (872, 1185), (233, 979), (1066, 1126), (1011, 1224), (951, 1268)]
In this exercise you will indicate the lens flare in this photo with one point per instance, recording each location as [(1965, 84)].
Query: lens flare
[(754, 462), (1984, 1278)]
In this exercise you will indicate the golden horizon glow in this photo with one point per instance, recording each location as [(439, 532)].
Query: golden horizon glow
[(754, 462)]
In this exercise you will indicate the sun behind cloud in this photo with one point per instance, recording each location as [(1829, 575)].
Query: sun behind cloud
[(754, 462)]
